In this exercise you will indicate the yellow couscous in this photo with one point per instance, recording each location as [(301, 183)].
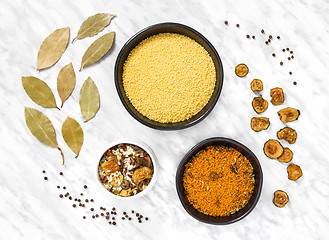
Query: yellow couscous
[(169, 77)]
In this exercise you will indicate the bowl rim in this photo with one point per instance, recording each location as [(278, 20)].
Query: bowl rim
[(187, 157), (126, 45), (145, 147)]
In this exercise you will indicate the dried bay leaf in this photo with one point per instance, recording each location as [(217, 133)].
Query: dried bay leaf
[(39, 92), (97, 50), (73, 135), (42, 128), (66, 82), (52, 48), (89, 99), (93, 25)]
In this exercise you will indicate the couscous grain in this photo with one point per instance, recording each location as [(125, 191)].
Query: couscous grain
[(169, 77)]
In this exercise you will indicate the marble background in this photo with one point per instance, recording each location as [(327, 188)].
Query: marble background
[(30, 206)]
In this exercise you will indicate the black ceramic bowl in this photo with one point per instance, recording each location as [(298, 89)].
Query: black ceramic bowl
[(254, 198), (164, 28)]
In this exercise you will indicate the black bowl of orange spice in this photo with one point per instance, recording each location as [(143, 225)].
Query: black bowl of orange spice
[(219, 181)]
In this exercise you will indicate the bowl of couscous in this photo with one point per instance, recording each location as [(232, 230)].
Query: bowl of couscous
[(168, 76), (219, 181)]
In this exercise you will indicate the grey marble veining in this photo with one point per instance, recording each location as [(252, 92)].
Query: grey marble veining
[(31, 208)]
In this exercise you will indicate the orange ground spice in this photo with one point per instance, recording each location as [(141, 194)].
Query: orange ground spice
[(218, 181)]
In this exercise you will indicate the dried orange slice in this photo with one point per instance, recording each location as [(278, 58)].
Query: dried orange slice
[(241, 70)]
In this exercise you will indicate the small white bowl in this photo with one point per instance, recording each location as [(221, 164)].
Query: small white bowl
[(154, 162)]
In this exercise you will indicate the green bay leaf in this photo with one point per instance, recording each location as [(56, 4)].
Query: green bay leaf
[(52, 48), (39, 92), (93, 25), (73, 135), (41, 127), (89, 99), (97, 50), (66, 82)]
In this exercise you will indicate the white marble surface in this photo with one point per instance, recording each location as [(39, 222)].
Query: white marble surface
[(31, 208)]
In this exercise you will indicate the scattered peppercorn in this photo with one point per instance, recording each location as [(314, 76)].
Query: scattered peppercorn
[(79, 200), (266, 42), (102, 214), (97, 215), (91, 209), (124, 213), (74, 205), (107, 213), (295, 83), (85, 186), (107, 217), (61, 174), (43, 171), (93, 216), (290, 73), (132, 211), (123, 218), (64, 187), (139, 221), (75, 199), (129, 218), (269, 40), (86, 200), (45, 178), (81, 194), (288, 58), (283, 50), (253, 37), (278, 37), (61, 195), (113, 218), (114, 213), (247, 36), (273, 54), (270, 37), (84, 217), (281, 63), (287, 49), (70, 197), (238, 25), (146, 219), (91, 200), (291, 52), (114, 223), (262, 31), (292, 56), (110, 223), (58, 187), (137, 214), (226, 22)]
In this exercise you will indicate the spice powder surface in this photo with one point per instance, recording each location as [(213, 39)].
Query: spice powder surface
[(218, 181), (169, 77)]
